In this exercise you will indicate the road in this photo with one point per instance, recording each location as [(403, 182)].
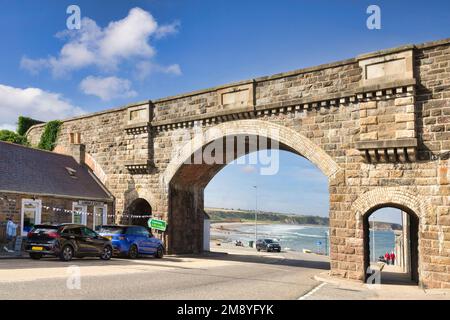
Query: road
[(227, 273)]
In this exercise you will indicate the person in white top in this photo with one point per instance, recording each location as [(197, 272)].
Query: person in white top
[(11, 233)]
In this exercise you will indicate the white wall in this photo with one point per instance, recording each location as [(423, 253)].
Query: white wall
[(206, 235)]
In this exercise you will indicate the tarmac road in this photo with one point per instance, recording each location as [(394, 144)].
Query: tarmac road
[(228, 273)]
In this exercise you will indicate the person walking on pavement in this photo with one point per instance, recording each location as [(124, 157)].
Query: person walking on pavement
[(11, 233), (392, 257), (387, 257)]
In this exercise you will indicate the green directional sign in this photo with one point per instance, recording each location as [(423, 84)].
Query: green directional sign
[(157, 224)]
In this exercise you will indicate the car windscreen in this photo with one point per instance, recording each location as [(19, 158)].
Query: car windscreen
[(44, 229), (268, 240), (111, 229)]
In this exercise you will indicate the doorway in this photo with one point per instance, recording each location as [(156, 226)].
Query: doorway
[(30, 215), (391, 244)]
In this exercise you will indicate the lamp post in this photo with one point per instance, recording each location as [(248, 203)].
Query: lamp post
[(256, 213), (373, 241)]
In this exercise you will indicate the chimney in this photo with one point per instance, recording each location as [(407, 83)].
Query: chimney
[(78, 152)]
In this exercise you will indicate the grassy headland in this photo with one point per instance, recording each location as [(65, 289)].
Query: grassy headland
[(238, 215), (231, 215)]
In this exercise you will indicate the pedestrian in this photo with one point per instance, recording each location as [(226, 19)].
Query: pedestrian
[(387, 257), (392, 257), (11, 233)]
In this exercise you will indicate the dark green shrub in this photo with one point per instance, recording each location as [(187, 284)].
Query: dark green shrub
[(25, 123), (11, 136), (48, 138)]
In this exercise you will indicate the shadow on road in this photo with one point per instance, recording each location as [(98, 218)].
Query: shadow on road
[(91, 262), (282, 261), (50, 262)]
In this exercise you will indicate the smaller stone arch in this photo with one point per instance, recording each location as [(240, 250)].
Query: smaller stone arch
[(138, 207), (415, 206), (390, 196)]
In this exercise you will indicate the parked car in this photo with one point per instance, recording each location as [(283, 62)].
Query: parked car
[(132, 241), (268, 245), (67, 241)]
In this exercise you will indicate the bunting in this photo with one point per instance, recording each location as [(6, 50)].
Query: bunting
[(66, 211)]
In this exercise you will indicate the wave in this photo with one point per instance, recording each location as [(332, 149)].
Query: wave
[(308, 235)]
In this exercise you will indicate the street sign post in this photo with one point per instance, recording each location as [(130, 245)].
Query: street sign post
[(319, 246), (157, 224)]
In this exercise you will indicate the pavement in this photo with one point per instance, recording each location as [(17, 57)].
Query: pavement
[(394, 285), (227, 272)]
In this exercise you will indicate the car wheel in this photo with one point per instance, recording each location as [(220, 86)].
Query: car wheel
[(159, 253), (133, 252), (35, 256), (66, 253), (258, 250), (106, 253)]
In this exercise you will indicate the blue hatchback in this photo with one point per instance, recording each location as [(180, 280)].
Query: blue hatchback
[(132, 241)]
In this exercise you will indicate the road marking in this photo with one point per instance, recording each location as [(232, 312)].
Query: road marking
[(311, 292)]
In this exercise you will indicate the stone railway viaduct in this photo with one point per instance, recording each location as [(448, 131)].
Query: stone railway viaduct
[(378, 126)]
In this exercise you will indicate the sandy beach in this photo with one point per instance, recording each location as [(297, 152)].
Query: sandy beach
[(223, 231), (291, 236)]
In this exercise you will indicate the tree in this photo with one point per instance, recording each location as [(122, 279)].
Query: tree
[(11, 136), (25, 123)]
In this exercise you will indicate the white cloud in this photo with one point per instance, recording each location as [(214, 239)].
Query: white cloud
[(32, 102), (34, 66), (107, 47), (107, 88), (167, 29), (146, 68)]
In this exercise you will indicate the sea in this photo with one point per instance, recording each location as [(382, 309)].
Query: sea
[(313, 238)]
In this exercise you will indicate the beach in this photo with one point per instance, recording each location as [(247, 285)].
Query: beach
[(291, 237)]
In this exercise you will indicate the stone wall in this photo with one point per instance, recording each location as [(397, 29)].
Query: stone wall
[(377, 125)]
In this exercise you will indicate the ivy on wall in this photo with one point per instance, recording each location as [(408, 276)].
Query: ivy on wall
[(25, 123), (48, 138)]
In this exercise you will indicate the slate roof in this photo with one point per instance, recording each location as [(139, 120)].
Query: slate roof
[(33, 171)]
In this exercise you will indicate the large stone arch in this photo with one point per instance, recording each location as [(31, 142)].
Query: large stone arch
[(185, 182), (296, 141)]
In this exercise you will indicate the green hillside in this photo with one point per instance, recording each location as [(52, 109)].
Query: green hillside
[(227, 215), (231, 215)]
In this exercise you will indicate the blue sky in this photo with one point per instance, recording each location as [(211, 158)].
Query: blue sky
[(136, 50)]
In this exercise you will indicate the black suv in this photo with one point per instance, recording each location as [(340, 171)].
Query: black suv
[(67, 241), (268, 245)]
